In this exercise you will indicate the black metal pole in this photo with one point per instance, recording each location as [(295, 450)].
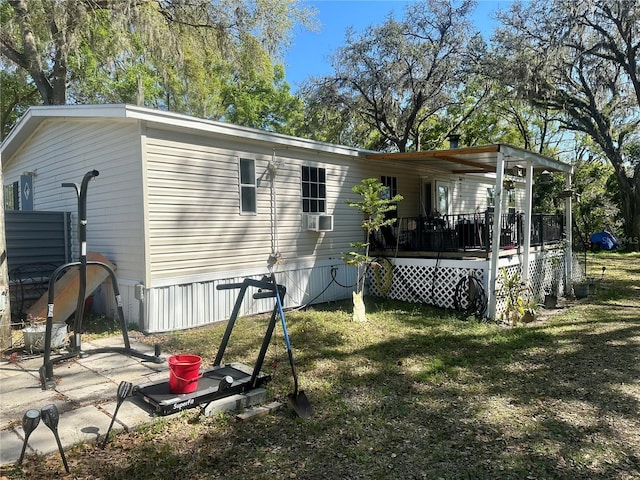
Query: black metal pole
[(82, 238)]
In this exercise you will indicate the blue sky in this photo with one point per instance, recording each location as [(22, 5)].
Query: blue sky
[(309, 52)]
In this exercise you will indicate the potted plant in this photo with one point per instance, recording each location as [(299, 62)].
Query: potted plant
[(581, 289), (34, 336), (551, 296), (520, 303), (530, 310)]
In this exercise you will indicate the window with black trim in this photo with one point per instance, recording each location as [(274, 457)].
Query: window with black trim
[(248, 202), (314, 190), (391, 184), (491, 196), (12, 196)]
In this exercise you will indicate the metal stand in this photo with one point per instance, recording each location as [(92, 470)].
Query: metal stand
[(46, 371)]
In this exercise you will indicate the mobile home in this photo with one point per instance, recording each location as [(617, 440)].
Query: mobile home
[(182, 204)]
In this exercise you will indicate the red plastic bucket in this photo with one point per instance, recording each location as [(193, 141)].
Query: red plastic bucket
[(184, 372)]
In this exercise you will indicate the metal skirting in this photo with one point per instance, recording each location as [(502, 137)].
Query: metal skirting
[(189, 305)]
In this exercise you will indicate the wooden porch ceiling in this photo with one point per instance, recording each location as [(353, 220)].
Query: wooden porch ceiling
[(476, 159)]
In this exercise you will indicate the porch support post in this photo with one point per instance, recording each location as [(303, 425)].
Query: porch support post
[(528, 206), (568, 261), (495, 237)]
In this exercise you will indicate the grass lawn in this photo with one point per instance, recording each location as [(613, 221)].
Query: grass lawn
[(415, 393)]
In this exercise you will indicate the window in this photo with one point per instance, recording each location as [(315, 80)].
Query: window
[(248, 203), (427, 197), (12, 196), (443, 198), (391, 184), (314, 190)]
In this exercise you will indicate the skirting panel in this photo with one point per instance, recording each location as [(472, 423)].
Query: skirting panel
[(178, 307)]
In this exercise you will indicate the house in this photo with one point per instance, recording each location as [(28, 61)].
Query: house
[(183, 204)]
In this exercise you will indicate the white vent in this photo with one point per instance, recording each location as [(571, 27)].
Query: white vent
[(320, 223)]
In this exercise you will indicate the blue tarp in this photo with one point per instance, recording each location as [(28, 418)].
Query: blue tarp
[(604, 240)]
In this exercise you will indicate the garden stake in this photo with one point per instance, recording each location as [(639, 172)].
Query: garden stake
[(30, 421), (124, 390), (50, 417)]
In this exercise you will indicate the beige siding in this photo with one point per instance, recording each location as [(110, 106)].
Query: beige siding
[(194, 215), (63, 150), (165, 206)]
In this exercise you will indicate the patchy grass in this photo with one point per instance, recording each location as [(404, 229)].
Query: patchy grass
[(413, 394)]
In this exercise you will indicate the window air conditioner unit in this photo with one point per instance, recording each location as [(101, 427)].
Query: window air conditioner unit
[(320, 223)]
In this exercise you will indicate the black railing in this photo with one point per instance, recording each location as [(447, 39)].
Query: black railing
[(466, 232), (546, 228)]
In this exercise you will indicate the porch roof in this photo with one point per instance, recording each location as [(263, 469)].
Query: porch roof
[(477, 159)]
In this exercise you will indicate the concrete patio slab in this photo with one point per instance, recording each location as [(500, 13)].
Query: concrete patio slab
[(132, 413), (11, 446)]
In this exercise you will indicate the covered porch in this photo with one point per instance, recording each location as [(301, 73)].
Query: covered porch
[(500, 229)]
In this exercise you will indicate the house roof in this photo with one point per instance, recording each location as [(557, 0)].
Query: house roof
[(456, 161), (483, 159), (35, 116)]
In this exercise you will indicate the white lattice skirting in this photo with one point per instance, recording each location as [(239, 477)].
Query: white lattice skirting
[(434, 281), (427, 281)]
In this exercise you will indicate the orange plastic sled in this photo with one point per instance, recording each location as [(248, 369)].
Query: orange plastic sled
[(66, 290)]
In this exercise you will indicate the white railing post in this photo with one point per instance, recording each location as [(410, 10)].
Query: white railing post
[(528, 206), (568, 260), (495, 237)]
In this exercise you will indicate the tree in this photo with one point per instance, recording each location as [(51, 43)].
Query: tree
[(174, 55), (396, 76), (375, 203), (15, 97), (258, 101), (580, 59)]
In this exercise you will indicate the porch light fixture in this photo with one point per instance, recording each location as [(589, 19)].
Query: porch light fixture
[(567, 193)]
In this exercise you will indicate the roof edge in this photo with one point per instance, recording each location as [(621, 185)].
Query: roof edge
[(35, 115)]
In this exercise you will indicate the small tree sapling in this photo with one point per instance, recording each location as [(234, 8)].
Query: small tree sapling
[(375, 203)]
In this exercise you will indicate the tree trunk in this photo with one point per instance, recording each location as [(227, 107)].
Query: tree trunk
[(630, 196), (631, 206)]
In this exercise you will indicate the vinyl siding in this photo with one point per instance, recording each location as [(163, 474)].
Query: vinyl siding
[(195, 223), (61, 151)]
